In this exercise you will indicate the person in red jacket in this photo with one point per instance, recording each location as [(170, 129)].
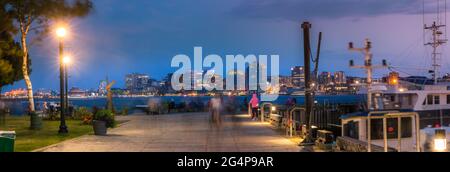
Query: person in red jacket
[(254, 103)]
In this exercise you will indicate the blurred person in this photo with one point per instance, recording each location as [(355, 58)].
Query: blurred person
[(254, 103), (153, 105), (2, 113), (215, 109)]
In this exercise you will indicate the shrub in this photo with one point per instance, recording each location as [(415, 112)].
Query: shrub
[(107, 116), (81, 113), (87, 120), (124, 111), (52, 116), (165, 107)]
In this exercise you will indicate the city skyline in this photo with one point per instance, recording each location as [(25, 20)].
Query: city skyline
[(295, 78), (102, 47)]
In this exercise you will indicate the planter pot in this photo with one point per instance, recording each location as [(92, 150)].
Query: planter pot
[(100, 128)]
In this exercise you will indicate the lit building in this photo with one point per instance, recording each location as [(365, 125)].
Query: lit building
[(285, 81), (16, 93), (325, 78), (137, 83), (252, 77), (298, 76), (43, 93), (339, 77), (102, 88), (77, 92)]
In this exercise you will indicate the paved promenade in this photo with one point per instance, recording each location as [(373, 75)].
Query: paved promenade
[(182, 133)]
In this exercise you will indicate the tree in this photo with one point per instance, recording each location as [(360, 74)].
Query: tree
[(10, 52), (36, 16), (10, 60)]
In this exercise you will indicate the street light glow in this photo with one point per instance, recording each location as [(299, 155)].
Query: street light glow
[(61, 32), (66, 60)]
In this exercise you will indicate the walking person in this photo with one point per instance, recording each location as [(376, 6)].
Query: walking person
[(2, 113), (45, 108), (215, 110), (254, 103)]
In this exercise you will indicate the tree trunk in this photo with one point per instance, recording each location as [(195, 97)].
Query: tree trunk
[(26, 75)]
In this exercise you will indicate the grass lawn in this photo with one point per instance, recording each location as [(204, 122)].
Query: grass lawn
[(28, 140)]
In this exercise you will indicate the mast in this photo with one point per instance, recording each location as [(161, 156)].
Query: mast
[(436, 41), (306, 26), (366, 51)]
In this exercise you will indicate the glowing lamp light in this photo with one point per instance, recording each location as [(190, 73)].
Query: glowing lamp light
[(401, 89), (274, 108), (440, 141), (61, 32), (66, 60), (440, 145)]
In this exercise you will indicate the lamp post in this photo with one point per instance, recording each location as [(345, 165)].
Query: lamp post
[(66, 61), (61, 33)]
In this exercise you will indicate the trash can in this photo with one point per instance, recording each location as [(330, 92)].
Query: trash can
[(7, 139)]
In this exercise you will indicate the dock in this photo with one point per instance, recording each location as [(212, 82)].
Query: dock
[(187, 132)]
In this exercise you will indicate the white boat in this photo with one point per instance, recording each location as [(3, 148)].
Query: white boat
[(424, 111), (432, 102)]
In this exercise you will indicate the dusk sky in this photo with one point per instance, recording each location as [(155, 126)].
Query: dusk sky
[(142, 36)]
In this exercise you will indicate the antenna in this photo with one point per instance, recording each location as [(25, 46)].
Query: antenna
[(438, 37), (368, 66)]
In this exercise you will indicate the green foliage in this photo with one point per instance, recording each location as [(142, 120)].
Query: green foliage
[(125, 111), (83, 114), (107, 116), (40, 13), (5, 70), (52, 116), (28, 140), (10, 60)]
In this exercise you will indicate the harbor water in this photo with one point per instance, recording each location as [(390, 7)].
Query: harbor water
[(18, 106)]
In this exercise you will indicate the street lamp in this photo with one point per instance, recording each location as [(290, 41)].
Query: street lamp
[(61, 33), (66, 61)]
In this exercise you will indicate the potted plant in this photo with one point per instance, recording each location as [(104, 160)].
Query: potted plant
[(103, 120)]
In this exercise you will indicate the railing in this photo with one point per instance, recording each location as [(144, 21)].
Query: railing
[(263, 113), (415, 123), (291, 123)]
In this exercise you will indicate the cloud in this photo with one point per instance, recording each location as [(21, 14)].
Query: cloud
[(330, 9)]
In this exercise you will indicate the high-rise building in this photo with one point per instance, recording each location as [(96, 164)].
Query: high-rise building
[(298, 76), (339, 77), (252, 76), (137, 83), (285, 81), (77, 92), (102, 88), (325, 78)]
